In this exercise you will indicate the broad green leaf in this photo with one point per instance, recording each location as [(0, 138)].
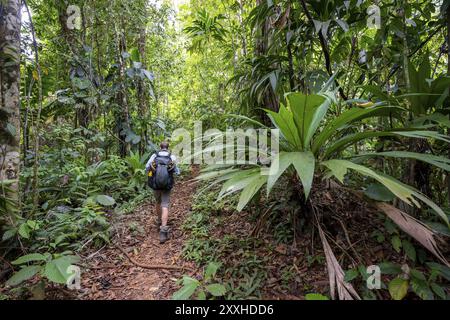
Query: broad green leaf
[(308, 111), (238, 181), (409, 250), (24, 231), (406, 193), (390, 268), (250, 191), (443, 271), (105, 200), (57, 270), (284, 121), (421, 288), (351, 275), (351, 139), (211, 270), (304, 164), (29, 258), (247, 119), (188, 289), (437, 161), (316, 296), (417, 274), (352, 115), (378, 192), (216, 289), (398, 288), (9, 234), (396, 243), (23, 275), (438, 290), (201, 295)]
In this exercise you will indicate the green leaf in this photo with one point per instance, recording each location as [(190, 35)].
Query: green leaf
[(440, 162), (105, 200), (304, 164), (11, 129), (351, 139), (201, 295), (216, 289), (135, 56), (24, 231), (443, 271), (211, 270), (352, 115), (378, 192), (440, 292), (409, 195), (23, 275), (250, 191), (409, 250), (57, 270), (9, 234), (398, 288), (316, 296), (417, 274), (308, 111), (351, 275), (188, 289), (421, 288), (390, 268), (29, 258), (284, 121)]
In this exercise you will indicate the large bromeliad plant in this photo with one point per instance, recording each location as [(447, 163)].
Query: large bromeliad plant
[(312, 147)]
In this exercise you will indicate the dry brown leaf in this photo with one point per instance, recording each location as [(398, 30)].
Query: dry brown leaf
[(415, 228)]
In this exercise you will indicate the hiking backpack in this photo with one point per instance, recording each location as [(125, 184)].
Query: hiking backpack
[(161, 176)]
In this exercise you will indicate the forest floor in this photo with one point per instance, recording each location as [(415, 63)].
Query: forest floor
[(111, 275), (288, 271), (258, 256)]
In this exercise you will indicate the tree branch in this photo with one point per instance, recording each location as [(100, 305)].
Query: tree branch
[(325, 49)]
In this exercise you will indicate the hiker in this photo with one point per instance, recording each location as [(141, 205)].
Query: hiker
[(160, 169)]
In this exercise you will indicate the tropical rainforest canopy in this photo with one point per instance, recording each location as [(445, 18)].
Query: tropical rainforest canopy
[(357, 205)]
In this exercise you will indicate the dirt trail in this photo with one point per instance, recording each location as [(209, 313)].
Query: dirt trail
[(109, 274)]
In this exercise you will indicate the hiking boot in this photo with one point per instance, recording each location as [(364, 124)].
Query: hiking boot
[(163, 234), (158, 223)]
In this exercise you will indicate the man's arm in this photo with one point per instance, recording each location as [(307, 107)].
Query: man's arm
[(149, 163)]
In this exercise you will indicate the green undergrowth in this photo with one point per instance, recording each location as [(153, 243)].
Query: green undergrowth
[(243, 268)]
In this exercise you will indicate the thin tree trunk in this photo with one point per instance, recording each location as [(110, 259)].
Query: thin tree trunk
[(270, 100), (122, 119), (142, 94), (10, 24), (448, 71), (241, 23), (325, 50)]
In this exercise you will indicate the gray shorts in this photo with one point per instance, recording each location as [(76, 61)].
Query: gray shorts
[(162, 198)]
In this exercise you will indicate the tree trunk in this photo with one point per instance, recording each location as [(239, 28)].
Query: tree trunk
[(241, 23), (448, 71), (270, 99), (122, 119), (142, 93), (10, 23)]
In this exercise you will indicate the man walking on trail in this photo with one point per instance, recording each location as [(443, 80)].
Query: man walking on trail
[(160, 169)]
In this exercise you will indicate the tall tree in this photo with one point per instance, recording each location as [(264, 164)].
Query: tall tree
[(10, 23)]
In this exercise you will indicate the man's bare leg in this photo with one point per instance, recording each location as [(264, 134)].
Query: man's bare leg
[(164, 230), (165, 217), (159, 213)]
